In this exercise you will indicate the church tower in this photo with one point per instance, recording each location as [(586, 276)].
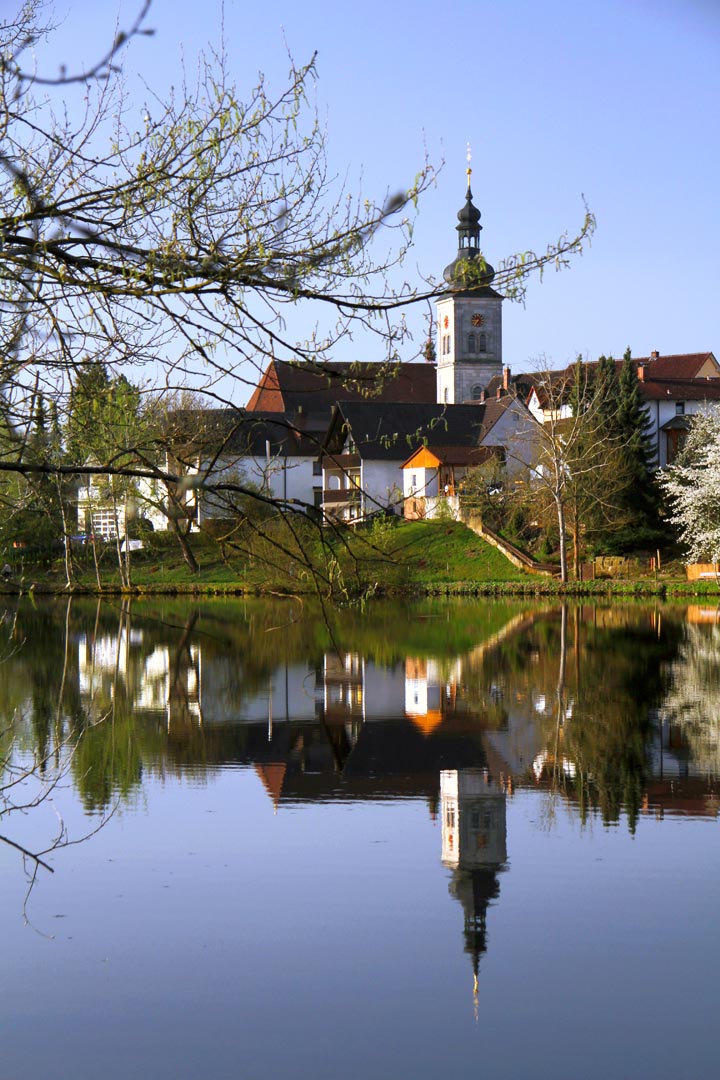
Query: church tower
[(469, 316)]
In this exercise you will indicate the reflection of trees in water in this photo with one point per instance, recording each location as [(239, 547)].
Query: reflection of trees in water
[(123, 684), (590, 678), (36, 745), (691, 706)]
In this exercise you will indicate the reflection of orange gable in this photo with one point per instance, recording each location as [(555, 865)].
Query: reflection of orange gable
[(415, 667), (272, 777), (697, 614), (426, 722)]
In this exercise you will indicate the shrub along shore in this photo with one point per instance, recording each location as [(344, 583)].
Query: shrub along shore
[(386, 559)]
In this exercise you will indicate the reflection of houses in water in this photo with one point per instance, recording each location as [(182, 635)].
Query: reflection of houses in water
[(430, 691), (474, 846), (343, 686), (165, 681), (171, 684), (105, 659)]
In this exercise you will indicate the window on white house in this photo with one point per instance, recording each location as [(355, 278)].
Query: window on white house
[(679, 408), (105, 524), (317, 468)]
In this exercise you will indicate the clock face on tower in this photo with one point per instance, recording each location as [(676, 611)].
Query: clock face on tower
[(478, 320)]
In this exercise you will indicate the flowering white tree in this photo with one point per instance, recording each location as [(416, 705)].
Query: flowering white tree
[(692, 487)]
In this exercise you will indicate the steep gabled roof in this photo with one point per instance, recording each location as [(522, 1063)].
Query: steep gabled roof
[(390, 432), (227, 432), (680, 389), (681, 375), (286, 387), (678, 365), (455, 455)]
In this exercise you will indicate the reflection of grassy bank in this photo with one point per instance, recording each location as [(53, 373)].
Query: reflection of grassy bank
[(77, 688), (114, 690), (389, 558)]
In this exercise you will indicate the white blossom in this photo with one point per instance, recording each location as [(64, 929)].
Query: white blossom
[(692, 486)]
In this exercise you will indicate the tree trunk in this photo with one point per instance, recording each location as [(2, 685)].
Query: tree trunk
[(576, 549), (563, 540), (69, 571), (95, 560), (187, 551), (121, 566)]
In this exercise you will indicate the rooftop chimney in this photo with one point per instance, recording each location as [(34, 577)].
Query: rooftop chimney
[(655, 355), (482, 396), (498, 392), (506, 378), (641, 372)]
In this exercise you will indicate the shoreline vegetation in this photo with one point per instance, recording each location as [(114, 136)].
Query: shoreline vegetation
[(389, 559)]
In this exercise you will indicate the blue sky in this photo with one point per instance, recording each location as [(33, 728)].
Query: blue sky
[(616, 101)]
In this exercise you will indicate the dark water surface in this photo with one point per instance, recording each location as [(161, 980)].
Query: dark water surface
[(435, 840)]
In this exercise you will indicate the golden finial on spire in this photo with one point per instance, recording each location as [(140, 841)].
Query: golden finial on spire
[(469, 159)]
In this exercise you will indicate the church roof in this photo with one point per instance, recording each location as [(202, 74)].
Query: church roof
[(307, 389)]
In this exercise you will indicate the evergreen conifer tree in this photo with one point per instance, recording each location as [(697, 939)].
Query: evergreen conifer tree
[(642, 496)]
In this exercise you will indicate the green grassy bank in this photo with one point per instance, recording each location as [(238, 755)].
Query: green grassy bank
[(388, 558)]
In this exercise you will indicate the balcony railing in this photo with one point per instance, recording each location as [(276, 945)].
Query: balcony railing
[(341, 462), (344, 495)]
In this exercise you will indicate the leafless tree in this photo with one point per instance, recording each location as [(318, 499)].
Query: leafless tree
[(178, 235)]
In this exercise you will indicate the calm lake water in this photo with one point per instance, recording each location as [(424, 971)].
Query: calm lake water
[(433, 840)]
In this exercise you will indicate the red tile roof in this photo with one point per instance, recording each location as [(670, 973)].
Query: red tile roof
[(285, 387), (672, 377), (680, 389), (675, 366)]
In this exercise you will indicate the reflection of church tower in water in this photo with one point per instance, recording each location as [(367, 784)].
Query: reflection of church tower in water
[(474, 846)]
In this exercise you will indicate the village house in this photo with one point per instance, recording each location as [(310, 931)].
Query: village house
[(434, 474), (218, 455), (370, 447), (222, 454), (352, 439), (674, 388)]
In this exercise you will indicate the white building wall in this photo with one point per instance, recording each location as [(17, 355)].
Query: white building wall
[(282, 478), (382, 482), (659, 413), (285, 477), (516, 430), (426, 482)]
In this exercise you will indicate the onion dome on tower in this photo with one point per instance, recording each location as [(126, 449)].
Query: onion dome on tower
[(469, 269)]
